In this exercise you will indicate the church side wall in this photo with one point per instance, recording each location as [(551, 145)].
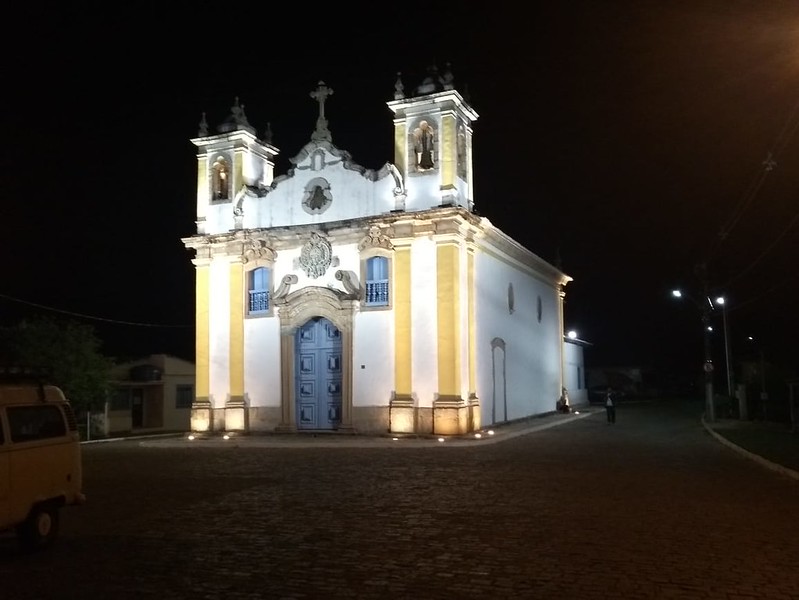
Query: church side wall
[(518, 356), (574, 373)]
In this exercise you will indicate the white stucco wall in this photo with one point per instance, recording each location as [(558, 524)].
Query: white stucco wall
[(424, 191), (219, 330), (373, 358), (424, 325), (262, 365), (532, 349)]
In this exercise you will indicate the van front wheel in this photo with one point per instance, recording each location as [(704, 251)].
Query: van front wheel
[(40, 529)]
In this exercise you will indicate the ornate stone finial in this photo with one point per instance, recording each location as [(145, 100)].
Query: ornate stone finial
[(399, 89), (237, 111), (202, 130), (321, 94), (268, 133), (430, 83), (236, 120), (447, 80)]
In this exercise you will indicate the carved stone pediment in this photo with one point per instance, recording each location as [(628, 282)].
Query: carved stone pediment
[(375, 239), (256, 249)]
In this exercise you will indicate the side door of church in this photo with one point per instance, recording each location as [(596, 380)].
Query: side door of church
[(318, 375)]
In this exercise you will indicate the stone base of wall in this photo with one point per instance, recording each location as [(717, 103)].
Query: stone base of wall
[(202, 416), (402, 415), (446, 417), (264, 419), (449, 416), (372, 420), (237, 415)]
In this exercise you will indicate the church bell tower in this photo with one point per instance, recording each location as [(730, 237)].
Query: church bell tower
[(433, 142), (229, 162)]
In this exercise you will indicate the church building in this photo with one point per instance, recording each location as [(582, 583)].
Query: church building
[(337, 297)]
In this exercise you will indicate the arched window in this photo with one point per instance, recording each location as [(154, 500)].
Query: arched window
[(220, 184), (258, 287), (377, 281)]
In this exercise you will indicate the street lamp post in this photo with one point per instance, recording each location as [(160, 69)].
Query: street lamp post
[(706, 308), (721, 301)]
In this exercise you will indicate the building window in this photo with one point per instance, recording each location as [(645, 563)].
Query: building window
[(376, 281), (258, 289), (120, 400), (184, 396), (220, 182)]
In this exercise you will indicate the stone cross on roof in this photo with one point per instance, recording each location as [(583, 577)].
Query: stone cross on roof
[(321, 94)]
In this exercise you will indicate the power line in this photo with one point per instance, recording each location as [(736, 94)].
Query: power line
[(762, 255), (770, 290), (92, 317), (783, 139)]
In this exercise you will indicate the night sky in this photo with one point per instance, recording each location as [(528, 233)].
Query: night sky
[(617, 139)]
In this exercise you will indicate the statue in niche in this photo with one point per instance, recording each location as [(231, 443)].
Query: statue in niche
[(423, 137)]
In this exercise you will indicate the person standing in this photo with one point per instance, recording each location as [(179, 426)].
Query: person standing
[(610, 406)]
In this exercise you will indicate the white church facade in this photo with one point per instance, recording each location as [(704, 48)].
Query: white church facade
[(336, 297)]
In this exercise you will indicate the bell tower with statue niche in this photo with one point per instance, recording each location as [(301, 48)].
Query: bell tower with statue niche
[(433, 142), (230, 162)]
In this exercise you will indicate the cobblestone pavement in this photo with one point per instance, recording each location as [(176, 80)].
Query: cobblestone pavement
[(651, 507)]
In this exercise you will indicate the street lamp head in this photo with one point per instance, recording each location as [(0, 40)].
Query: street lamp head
[(720, 300), (676, 293)]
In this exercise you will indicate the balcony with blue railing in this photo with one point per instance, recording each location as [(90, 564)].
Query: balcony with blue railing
[(259, 301), (376, 292)]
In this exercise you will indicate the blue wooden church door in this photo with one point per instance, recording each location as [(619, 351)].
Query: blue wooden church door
[(318, 369)]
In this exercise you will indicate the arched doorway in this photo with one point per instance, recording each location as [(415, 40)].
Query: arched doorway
[(318, 373), (499, 396)]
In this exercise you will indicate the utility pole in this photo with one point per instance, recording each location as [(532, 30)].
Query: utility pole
[(706, 308), (727, 350)]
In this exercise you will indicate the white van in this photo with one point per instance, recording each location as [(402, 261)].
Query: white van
[(40, 459)]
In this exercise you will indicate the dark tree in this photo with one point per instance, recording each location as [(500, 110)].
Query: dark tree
[(68, 351)]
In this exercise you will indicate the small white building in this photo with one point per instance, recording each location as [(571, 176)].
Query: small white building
[(149, 395), (337, 297)]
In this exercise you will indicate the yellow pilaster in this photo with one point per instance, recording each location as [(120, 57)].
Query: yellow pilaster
[(472, 328), (202, 186), (449, 151), (469, 166), (238, 172), (236, 330), (202, 339), (448, 310), (401, 148), (402, 322)]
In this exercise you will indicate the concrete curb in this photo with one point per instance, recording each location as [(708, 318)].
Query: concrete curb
[(750, 455)]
